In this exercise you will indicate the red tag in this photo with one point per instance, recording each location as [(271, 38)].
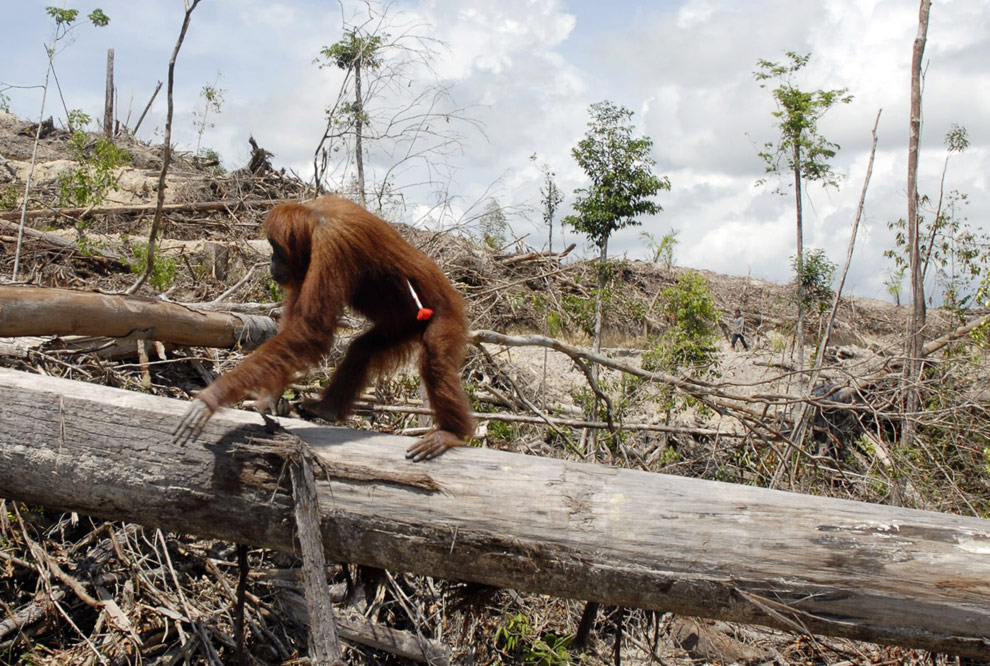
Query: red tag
[(424, 314)]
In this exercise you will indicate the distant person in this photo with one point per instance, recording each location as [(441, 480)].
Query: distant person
[(738, 326)]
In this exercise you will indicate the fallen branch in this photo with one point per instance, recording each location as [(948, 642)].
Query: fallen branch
[(707, 392), (514, 259), (356, 629), (324, 646), (552, 420), (32, 612)]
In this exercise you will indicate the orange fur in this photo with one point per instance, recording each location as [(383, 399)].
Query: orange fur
[(340, 254)]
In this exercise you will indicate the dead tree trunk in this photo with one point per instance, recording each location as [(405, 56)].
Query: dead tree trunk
[(108, 129), (879, 573)]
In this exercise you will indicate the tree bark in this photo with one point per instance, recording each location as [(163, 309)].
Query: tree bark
[(912, 369), (108, 102), (599, 297), (359, 131), (620, 537), (799, 333), (324, 646), (44, 311)]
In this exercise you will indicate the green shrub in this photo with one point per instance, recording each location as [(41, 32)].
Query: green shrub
[(581, 311), (165, 269), (8, 199), (548, 649), (689, 308), (275, 291), (96, 176)]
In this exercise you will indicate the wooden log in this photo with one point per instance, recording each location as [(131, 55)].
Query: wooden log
[(738, 553), (44, 311)]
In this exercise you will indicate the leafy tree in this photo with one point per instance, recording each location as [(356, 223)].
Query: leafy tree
[(77, 119), (951, 253), (954, 256), (96, 176), (620, 168), (65, 20), (894, 282), (800, 149)]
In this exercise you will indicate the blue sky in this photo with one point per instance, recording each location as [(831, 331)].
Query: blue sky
[(528, 69)]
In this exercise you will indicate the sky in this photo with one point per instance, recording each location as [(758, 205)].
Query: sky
[(523, 74)]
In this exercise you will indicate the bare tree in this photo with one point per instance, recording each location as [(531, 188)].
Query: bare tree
[(804, 414), (917, 319), (393, 125), (166, 151)]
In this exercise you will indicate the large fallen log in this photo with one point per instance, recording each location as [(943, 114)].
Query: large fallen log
[(44, 311), (738, 553)]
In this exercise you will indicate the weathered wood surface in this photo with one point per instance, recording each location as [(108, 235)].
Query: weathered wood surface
[(45, 311), (576, 530), (324, 646)]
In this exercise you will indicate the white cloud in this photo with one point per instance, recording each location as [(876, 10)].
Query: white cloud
[(529, 69)]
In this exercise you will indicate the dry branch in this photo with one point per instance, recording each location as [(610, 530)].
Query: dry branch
[(356, 629), (515, 259), (710, 393), (42, 311), (623, 537), (369, 407)]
